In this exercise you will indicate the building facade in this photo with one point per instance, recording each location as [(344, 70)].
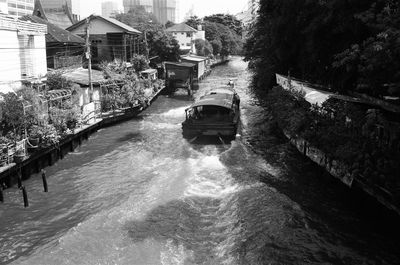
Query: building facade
[(17, 8), (185, 35), (22, 52)]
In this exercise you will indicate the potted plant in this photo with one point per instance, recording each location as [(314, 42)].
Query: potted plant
[(19, 155), (35, 134), (50, 135), (4, 142)]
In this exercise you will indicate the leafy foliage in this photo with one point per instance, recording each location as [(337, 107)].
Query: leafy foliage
[(160, 42), (228, 20), (203, 47), (14, 118), (223, 33), (223, 40), (344, 131), (346, 45), (55, 80), (193, 22)]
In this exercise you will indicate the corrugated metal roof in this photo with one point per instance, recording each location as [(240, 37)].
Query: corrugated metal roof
[(194, 58), (182, 27), (183, 64), (81, 76)]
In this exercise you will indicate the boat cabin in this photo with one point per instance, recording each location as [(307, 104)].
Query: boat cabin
[(216, 113)]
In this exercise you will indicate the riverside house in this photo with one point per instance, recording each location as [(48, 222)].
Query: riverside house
[(63, 48), (185, 35), (110, 39), (22, 52)]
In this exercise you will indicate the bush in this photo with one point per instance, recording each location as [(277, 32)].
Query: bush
[(50, 135), (55, 80), (139, 63)]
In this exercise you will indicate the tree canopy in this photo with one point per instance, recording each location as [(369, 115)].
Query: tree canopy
[(228, 20), (223, 39), (160, 42), (346, 45)]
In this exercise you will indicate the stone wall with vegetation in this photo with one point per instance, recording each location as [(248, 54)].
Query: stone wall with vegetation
[(352, 141)]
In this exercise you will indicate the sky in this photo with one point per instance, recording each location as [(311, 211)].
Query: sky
[(203, 8)]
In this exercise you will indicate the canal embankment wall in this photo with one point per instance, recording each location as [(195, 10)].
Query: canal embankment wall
[(357, 169), (15, 173)]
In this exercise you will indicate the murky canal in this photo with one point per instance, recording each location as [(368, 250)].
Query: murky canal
[(138, 193)]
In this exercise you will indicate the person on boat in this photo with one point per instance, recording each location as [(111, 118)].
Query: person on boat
[(231, 83)]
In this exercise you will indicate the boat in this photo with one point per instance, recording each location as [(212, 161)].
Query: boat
[(216, 113)]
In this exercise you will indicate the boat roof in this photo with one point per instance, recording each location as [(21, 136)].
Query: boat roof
[(226, 90), (221, 100), (149, 71)]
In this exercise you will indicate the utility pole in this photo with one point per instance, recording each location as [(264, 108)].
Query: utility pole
[(147, 45), (89, 55)]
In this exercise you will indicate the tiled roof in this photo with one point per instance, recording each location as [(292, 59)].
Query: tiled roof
[(113, 21), (181, 28), (55, 33)]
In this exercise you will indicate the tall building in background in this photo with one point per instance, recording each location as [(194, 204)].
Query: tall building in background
[(163, 10), (79, 9), (147, 4), (111, 7), (17, 8)]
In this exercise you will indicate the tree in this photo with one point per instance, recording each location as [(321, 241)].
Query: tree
[(228, 20), (222, 39), (169, 24), (203, 47), (376, 61), (160, 42), (304, 37), (193, 22)]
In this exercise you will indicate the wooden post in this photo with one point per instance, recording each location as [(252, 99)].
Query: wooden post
[(50, 159), (88, 54), (25, 196), (45, 188), (1, 194), (19, 177)]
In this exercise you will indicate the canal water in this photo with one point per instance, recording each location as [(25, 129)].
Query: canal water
[(138, 193)]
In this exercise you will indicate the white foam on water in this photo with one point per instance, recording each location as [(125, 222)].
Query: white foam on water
[(210, 178), (177, 112)]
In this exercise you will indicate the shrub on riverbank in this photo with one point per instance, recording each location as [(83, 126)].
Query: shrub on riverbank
[(344, 131)]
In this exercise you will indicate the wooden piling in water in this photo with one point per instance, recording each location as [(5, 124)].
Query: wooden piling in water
[(19, 178), (1, 194), (25, 196), (45, 188)]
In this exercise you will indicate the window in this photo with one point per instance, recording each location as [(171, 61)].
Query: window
[(12, 5), (189, 34), (188, 44)]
